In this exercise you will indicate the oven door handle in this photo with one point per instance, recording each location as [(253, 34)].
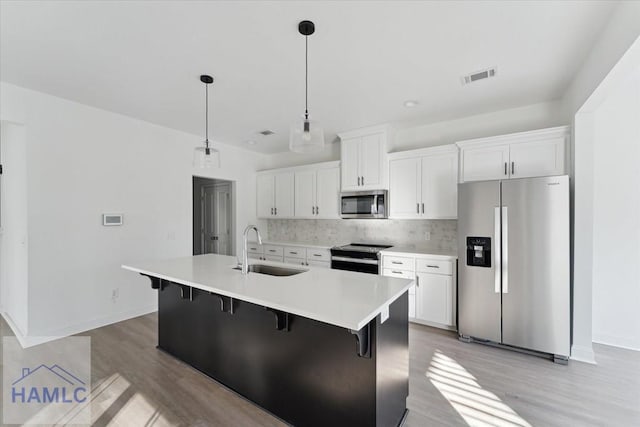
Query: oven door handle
[(355, 260)]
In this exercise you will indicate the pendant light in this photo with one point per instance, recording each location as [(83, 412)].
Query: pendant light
[(206, 157), (306, 135)]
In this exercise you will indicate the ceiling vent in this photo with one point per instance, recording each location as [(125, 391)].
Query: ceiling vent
[(479, 75), (266, 132)]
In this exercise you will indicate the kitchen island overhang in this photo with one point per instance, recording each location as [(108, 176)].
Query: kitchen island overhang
[(285, 348)]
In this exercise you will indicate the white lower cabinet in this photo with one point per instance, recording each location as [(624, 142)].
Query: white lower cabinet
[(277, 258), (432, 299)]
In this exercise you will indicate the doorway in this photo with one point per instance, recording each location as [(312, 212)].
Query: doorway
[(213, 225)]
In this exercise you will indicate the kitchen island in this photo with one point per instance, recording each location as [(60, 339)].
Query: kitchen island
[(322, 347)]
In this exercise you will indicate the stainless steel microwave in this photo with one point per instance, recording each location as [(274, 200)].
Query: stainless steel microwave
[(364, 204)]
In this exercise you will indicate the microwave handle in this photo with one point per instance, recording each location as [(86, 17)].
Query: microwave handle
[(374, 208)]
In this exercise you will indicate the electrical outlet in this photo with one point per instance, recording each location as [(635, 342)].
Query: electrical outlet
[(427, 235), (115, 293)]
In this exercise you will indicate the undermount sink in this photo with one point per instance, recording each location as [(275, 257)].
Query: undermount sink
[(272, 270)]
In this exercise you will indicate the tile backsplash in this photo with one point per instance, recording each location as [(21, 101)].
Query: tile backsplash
[(338, 231)]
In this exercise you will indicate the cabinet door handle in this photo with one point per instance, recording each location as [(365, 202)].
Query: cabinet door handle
[(271, 211), (293, 253), (317, 210), (358, 181), (433, 266), (313, 210), (317, 255), (417, 207), (418, 281), (505, 168), (362, 180), (396, 272), (275, 210), (272, 250), (397, 262), (513, 168), (423, 208)]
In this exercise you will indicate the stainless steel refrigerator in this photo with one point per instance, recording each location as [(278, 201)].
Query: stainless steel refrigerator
[(513, 247)]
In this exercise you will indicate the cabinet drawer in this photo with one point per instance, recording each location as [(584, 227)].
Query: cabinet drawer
[(399, 263), (434, 266), (294, 252), (277, 258), (318, 255), (402, 274), (273, 250), (254, 248)]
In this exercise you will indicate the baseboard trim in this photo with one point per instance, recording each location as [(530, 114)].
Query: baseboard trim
[(614, 341), (33, 340), (584, 354)]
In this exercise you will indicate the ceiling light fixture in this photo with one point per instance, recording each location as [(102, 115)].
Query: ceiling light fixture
[(206, 157), (306, 136), (251, 142), (410, 103)]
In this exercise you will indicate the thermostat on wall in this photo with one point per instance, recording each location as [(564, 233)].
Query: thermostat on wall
[(111, 219)]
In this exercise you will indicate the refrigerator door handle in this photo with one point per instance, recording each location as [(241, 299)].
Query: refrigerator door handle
[(496, 240), (505, 250)]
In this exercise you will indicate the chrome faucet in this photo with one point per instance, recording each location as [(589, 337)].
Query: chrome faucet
[(245, 258)]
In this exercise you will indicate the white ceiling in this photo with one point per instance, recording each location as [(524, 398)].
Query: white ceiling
[(143, 59)]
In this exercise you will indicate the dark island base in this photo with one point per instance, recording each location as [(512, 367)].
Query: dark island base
[(306, 372)]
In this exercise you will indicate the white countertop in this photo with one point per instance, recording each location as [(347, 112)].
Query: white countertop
[(341, 298), (420, 251)]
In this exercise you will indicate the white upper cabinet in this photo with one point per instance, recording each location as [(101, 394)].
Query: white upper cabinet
[(310, 192), (440, 185), (364, 159), (284, 195), (305, 193), (265, 199), (485, 163), (537, 158), (317, 192), (404, 188), (520, 155), (328, 193), (274, 195), (423, 184)]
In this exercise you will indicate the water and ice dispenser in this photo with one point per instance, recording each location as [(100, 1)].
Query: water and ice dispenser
[(479, 251)]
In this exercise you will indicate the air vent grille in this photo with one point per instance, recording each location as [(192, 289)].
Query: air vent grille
[(266, 132), (479, 75)]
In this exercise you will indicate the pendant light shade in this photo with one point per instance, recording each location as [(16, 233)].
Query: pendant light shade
[(206, 157), (306, 135)]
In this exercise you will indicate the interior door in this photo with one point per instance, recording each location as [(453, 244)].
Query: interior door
[(305, 194), (485, 163), (209, 208), (284, 190), (370, 161), (479, 286), (222, 219), (440, 186), (404, 188), (535, 285), (328, 193), (349, 164), (537, 158), (265, 195)]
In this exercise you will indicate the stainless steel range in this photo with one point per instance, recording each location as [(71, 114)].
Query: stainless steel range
[(361, 257)]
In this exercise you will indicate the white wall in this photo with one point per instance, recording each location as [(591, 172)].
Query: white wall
[(13, 231), (616, 218), (83, 162), (620, 33)]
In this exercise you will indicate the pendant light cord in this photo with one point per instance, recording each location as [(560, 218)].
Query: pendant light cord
[(306, 77), (206, 116)]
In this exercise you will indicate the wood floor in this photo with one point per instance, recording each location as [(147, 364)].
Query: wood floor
[(451, 384)]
